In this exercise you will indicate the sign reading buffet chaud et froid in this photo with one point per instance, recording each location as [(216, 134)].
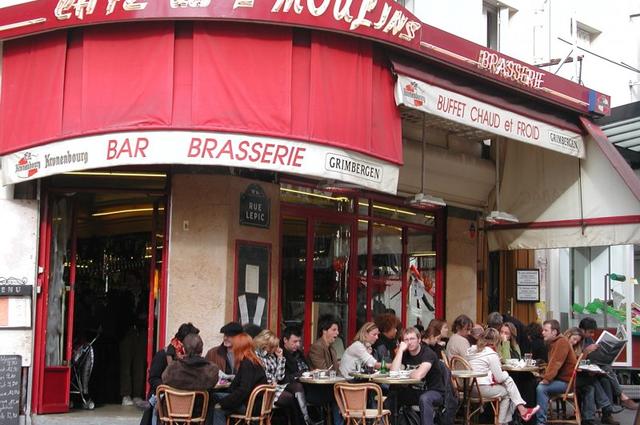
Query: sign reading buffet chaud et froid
[(380, 20), (465, 110), (200, 148)]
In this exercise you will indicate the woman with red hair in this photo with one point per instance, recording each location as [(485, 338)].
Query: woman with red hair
[(249, 374)]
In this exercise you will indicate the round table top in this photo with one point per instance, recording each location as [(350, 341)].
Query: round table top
[(396, 380), (321, 381), (509, 368), (468, 374)]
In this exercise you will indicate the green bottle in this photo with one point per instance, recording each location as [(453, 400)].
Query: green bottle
[(383, 366)]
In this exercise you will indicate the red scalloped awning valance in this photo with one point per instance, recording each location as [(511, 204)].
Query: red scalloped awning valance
[(227, 77)]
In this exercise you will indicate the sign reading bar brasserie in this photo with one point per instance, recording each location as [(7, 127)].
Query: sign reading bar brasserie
[(200, 148), (474, 113), (380, 20)]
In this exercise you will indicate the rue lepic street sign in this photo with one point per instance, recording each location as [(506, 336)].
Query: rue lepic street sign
[(255, 207)]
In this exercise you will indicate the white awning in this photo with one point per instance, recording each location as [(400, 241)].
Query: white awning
[(475, 113), (568, 202)]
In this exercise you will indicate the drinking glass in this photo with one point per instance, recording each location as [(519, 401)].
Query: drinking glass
[(332, 374), (527, 358)]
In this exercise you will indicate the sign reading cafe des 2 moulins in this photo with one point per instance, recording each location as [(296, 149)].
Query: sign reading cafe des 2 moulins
[(255, 207)]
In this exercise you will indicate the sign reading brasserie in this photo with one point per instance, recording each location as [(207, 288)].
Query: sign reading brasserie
[(200, 148), (255, 207), (380, 20)]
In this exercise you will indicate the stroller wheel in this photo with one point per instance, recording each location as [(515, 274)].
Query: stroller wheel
[(88, 405)]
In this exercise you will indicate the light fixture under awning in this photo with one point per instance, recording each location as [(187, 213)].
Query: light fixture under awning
[(568, 202)]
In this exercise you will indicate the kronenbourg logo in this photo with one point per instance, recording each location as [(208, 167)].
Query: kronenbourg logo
[(411, 91), (27, 166)]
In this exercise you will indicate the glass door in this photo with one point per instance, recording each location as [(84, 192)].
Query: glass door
[(331, 262), (310, 292)]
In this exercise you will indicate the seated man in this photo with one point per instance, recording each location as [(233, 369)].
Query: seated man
[(322, 354), (222, 355), (192, 372), (412, 353), (610, 382), (562, 361)]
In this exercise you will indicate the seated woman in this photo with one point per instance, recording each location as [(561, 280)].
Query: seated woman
[(359, 352), (267, 346), (589, 386), (509, 348), (432, 336), (249, 374), (484, 358)]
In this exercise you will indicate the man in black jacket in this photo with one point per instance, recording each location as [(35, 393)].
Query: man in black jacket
[(295, 363)]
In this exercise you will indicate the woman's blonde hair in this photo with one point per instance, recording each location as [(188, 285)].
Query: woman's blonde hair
[(575, 331), (489, 338), (361, 335), (266, 340)]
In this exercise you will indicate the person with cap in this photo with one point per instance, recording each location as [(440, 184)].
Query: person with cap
[(222, 355)]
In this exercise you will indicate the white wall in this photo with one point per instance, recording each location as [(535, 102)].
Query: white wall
[(529, 31)]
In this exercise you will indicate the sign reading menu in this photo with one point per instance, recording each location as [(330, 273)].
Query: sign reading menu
[(10, 389)]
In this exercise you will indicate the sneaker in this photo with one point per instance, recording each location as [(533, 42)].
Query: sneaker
[(126, 401), (629, 404), (608, 420), (531, 411)]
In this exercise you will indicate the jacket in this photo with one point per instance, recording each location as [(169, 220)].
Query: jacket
[(562, 360), (295, 364), (385, 348), (191, 373), (322, 356), (218, 356), (486, 360), (248, 376), (457, 346)]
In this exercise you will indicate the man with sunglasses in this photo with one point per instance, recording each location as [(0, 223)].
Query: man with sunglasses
[(412, 354)]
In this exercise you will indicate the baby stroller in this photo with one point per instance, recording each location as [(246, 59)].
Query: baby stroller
[(81, 368)]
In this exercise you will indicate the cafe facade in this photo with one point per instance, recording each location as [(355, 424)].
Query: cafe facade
[(272, 162)]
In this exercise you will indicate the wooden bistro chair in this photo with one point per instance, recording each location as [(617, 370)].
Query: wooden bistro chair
[(569, 396), (176, 407), (263, 417), (352, 402), (474, 397)]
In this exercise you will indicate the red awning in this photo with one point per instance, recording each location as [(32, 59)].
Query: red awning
[(252, 79)]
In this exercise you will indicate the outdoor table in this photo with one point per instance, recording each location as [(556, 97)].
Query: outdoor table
[(394, 383), (529, 369), (222, 386), (467, 376), (525, 379), (321, 381), (591, 368)]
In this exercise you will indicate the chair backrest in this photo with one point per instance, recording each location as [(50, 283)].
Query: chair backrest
[(460, 363), (352, 398), (268, 394), (178, 405), (445, 359)]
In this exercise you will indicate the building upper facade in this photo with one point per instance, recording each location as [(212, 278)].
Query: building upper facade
[(581, 40)]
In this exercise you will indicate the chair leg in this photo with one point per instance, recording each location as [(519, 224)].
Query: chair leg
[(576, 407)]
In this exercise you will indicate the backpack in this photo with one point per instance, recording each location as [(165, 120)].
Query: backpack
[(447, 414)]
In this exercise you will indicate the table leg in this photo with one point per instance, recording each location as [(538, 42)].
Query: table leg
[(465, 400)]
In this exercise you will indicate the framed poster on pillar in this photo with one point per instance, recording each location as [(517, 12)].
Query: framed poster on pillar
[(252, 283)]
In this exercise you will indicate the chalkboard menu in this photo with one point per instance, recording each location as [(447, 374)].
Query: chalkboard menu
[(10, 389)]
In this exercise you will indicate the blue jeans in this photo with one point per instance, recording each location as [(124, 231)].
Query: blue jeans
[(543, 392), (593, 397), (428, 400)]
